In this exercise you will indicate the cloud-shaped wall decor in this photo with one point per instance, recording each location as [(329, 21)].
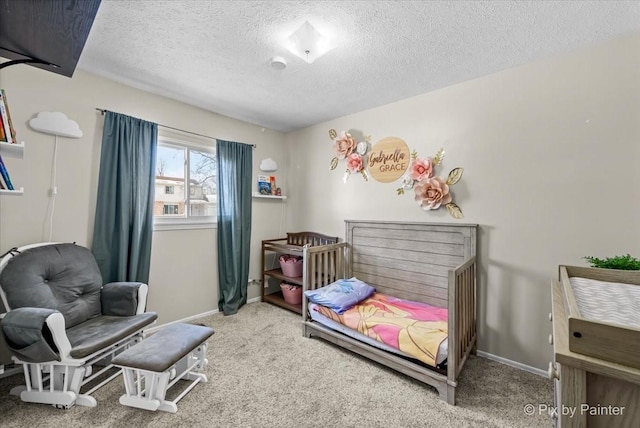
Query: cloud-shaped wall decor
[(56, 123), (268, 164)]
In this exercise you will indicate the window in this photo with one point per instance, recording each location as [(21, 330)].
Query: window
[(170, 210), (186, 193)]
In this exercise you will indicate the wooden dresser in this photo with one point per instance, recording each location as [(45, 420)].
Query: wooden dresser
[(589, 392)]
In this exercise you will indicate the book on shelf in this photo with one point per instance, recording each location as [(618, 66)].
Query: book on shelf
[(5, 120), (267, 184), (272, 180), (264, 185), (3, 137), (12, 130), (5, 176)]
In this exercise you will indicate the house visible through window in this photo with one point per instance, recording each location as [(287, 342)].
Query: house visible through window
[(186, 177)]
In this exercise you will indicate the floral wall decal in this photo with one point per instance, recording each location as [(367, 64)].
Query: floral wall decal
[(431, 191), (390, 157), (347, 147)]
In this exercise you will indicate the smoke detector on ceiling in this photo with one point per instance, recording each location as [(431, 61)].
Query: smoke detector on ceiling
[(278, 63)]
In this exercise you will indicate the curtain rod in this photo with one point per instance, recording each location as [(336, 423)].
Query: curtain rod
[(103, 111)]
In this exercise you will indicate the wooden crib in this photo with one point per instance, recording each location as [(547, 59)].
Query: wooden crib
[(424, 262)]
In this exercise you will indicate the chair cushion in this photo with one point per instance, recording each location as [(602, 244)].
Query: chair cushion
[(103, 331), (164, 348), (64, 277)]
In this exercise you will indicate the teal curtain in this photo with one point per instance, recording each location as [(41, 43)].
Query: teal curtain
[(235, 166), (124, 210)]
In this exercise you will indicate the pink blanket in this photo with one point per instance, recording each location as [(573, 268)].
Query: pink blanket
[(415, 328)]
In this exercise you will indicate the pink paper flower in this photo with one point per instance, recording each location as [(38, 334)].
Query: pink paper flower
[(354, 162), (431, 193), (421, 169), (345, 145)]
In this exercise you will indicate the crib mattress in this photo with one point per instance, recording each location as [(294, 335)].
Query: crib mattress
[(334, 324)]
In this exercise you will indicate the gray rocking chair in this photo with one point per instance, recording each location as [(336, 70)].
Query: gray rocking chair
[(61, 320)]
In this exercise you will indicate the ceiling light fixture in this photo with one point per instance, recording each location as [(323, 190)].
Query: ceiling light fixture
[(307, 43)]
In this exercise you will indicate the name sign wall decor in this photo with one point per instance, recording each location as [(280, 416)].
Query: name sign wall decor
[(389, 159)]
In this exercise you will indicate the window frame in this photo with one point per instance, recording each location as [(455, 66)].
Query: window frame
[(186, 143)]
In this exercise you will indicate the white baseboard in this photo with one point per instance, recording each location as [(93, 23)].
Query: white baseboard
[(195, 317), (515, 364)]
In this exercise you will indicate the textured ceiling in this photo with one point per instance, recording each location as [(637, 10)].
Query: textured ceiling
[(215, 54)]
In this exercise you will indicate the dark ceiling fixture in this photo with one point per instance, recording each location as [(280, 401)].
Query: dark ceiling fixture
[(46, 34), (25, 61)]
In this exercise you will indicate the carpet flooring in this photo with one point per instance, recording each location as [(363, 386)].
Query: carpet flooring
[(263, 373)]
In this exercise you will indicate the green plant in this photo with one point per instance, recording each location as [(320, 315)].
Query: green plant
[(625, 262)]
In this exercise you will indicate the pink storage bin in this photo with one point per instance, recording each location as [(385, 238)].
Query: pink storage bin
[(291, 265), (292, 293)]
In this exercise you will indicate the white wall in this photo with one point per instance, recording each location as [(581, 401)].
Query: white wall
[(183, 279), (551, 153)]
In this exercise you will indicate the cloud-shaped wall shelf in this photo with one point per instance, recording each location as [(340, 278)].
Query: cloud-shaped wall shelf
[(268, 165), (55, 123)]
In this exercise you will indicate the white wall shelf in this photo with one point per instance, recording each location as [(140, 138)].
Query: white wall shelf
[(12, 150), (17, 192), (258, 195)]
